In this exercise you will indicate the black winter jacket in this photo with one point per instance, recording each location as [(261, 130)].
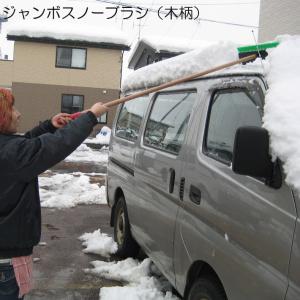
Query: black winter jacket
[(22, 159)]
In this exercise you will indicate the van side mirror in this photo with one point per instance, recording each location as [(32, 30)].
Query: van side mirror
[(251, 153)]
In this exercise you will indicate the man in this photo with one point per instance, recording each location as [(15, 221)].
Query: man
[(22, 159)]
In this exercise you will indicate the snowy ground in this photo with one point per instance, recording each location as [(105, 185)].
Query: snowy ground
[(85, 154), (141, 279), (60, 190), (69, 190)]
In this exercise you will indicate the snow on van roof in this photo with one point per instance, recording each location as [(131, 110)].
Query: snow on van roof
[(282, 106), (182, 65), (89, 34)]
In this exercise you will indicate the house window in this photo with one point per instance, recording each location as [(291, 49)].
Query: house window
[(71, 103), (67, 57), (102, 119)]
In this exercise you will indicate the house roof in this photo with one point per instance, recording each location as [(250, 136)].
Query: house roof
[(71, 35), (164, 45)]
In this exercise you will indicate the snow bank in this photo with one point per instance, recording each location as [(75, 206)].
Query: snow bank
[(65, 190), (141, 285), (143, 279), (102, 138), (93, 34), (98, 243), (128, 270), (182, 65), (85, 154), (282, 107)]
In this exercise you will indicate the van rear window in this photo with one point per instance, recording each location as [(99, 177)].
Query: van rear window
[(130, 118)]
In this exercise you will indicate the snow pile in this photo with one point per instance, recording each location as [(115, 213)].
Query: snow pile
[(104, 135), (282, 108), (143, 278), (98, 243), (182, 65), (66, 190), (93, 34), (85, 154), (128, 270), (102, 138), (141, 285)]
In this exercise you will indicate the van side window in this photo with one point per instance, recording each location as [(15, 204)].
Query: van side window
[(167, 123), (130, 118), (230, 109)]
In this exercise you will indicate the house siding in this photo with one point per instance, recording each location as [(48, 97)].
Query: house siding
[(39, 102), (278, 17), (35, 63), (6, 73)]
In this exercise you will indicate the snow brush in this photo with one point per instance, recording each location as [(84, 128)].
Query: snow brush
[(173, 82)]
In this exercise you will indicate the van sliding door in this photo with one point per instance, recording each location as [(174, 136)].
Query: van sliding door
[(157, 171)]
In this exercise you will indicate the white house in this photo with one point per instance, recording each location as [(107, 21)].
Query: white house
[(278, 17)]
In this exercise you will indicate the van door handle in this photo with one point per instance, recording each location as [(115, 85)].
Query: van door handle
[(172, 180), (195, 195)]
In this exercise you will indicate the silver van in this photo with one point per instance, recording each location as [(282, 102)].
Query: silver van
[(191, 182)]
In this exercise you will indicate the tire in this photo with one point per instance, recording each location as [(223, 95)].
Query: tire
[(127, 246), (206, 289)]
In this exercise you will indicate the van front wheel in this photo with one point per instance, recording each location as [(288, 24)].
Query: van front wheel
[(127, 246), (206, 289)]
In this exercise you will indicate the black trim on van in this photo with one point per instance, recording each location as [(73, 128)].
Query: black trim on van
[(122, 166)]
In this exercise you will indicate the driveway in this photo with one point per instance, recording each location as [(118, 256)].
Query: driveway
[(59, 260), (58, 271)]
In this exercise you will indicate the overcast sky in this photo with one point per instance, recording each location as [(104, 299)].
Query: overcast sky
[(244, 12)]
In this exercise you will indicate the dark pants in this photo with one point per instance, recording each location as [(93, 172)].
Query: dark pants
[(9, 289)]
